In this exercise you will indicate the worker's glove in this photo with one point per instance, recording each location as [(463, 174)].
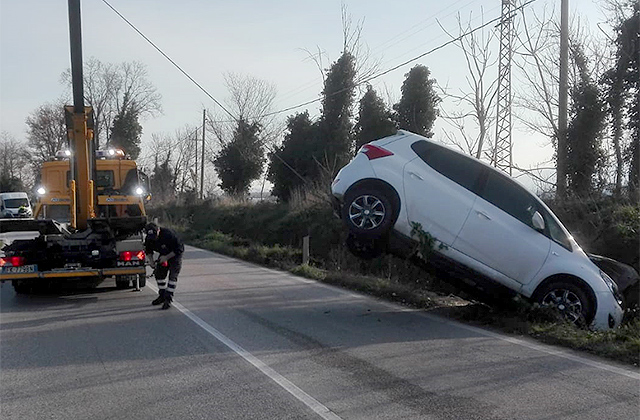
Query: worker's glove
[(162, 260)]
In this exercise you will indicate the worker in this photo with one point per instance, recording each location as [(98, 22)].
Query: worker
[(165, 242)]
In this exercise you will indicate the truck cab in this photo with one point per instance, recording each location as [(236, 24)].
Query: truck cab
[(121, 188)]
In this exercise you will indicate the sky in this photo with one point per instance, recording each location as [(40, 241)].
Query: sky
[(269, 40)]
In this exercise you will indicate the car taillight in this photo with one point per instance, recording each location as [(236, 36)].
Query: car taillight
[(374, 152), (12, 261), (132, 255)]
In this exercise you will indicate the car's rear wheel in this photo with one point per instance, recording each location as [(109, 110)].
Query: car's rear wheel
[(368, 212), (570, 299)]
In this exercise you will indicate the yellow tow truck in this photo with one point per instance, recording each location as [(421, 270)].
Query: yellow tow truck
[(98, 199)]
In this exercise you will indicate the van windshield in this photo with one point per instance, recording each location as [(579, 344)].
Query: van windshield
[(14, 203)]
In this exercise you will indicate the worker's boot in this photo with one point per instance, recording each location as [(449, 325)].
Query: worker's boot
[(160, 299), (167, 301)]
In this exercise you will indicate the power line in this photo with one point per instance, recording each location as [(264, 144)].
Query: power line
[(170, 60), (439, 47)]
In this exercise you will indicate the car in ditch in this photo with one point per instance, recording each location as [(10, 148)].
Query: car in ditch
[(479, 218)]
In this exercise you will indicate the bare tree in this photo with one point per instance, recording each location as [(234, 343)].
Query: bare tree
[(475, 104), (15, 161), (536, 66), (177, 152), (46, 131), (111, 88)]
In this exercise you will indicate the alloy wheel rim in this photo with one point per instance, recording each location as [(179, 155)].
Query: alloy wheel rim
[(366, 212), (565, 301)]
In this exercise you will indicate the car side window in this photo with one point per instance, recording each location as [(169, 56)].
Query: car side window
[(510, 197), (457, 167)]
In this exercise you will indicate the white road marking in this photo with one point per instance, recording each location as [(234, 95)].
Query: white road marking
[(288, 386)]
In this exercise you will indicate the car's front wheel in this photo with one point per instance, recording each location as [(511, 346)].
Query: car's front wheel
[(570, 299), (368, 212)]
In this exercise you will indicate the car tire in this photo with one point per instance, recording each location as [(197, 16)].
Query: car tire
[(572, 300), (364, 248), (368, 212)]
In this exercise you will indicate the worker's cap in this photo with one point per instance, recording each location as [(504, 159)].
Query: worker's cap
[(151, 229)]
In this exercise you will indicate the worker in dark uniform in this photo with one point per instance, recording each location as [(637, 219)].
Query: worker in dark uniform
[(166, 243)]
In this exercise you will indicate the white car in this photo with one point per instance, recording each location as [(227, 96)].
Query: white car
[(482, 220)]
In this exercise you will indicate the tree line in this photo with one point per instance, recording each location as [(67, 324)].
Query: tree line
[(251, 141)]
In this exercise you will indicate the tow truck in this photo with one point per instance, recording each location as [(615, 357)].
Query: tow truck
[(102, 236)]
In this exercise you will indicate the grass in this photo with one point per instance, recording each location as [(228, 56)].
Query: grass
[(516, 317)]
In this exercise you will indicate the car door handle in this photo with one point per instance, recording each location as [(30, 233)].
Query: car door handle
[(483, 214), (415, 175)]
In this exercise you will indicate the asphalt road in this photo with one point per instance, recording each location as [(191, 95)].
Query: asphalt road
[(245, 342)]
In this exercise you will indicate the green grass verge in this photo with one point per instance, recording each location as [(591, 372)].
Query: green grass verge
[(518, 317)]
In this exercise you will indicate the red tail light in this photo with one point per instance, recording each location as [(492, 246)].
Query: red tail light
[(12, 261), (374, 152), (132, 255)]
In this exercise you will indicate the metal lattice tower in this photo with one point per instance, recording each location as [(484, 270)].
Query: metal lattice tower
[(503, 146)]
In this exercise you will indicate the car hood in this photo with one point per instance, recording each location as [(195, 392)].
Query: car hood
[(623, 274)]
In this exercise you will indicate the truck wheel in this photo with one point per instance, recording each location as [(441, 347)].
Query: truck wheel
[(122, 282), (142, 280), (22, 287)]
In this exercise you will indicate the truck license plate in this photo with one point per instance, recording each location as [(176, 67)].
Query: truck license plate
[(19, 270)]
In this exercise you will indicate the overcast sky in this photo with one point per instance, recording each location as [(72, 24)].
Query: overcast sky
[(268, 40)]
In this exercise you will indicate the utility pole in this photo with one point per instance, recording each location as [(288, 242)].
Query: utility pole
[(204, 130), (196, 141), (502, 158), (561, 163)]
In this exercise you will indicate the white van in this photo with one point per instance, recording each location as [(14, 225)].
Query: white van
[(15, 204)]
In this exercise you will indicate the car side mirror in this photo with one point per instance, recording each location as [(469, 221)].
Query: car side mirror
[(537, 221)]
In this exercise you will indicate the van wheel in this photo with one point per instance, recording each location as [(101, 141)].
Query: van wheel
[(571, 300), (368, 212)]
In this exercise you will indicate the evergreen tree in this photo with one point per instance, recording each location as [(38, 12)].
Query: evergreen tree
[(374, 119), (584, 151), (417, 109), (127, 131), (335, 126), (240, 161), (292, 163), (624, 98), (163, 181), (10, 184)]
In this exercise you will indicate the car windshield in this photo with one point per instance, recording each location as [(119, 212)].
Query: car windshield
[(14, 203)]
